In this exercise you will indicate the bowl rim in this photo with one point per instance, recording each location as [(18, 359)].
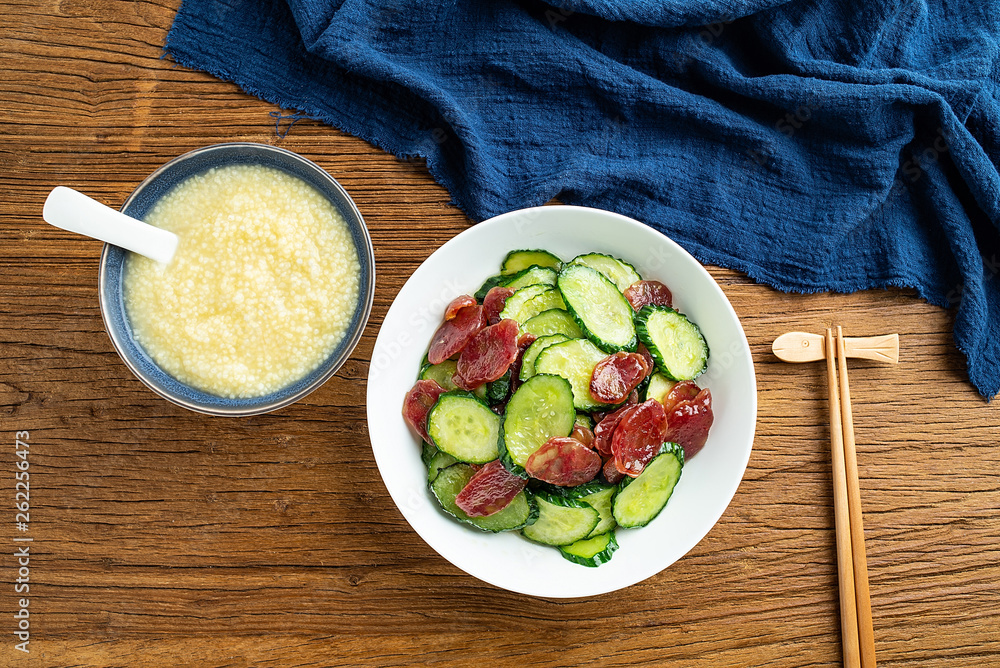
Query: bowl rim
[(412, 514), (353, 339)]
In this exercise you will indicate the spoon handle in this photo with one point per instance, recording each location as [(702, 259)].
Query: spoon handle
[(71, 210)]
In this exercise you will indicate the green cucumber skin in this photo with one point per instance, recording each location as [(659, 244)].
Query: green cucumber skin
[(445, 489), (585, 555), (533, 275), (517, 260), (439, 462), (427, 452), (442, 404), (642, 330), (553, 321), (658, 388), (627, 271), (603, 501), (534, 350), (549, 507), (591, 494), (487, 285), (547, 362), (442, 374), (668, 449), (557, 424), (505, 458), (575, 307), (546, 301), (515, 303)]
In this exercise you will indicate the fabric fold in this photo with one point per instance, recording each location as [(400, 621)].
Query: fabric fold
[(813, 145)]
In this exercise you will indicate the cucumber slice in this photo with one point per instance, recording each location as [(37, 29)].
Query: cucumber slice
[(658, 387), (437, 463), (464, 427), (598, 307), (441, 374), (542, 408), (427, 452), (540, 344), (641, 499), (533, 275), (592, 551), (561, 520), (619, 272), (489, 283), (512, 307), (676, 343), (584, 420), (574, 360), (548, 300), (601, 502), (522, 259), (553, 321), (519, 513)]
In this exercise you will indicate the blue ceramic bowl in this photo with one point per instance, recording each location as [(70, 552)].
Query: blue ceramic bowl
[(138, 205)]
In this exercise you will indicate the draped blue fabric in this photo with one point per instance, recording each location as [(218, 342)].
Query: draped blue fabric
[(812, 144)]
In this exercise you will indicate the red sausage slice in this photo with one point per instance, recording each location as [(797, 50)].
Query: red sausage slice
[(611, 473), (454, 334), (583, 434), (494, 301), (418, 403), (617, 375), (457, 304), (639, 436), (489, 490), (644, 293), (488, 355), (563, 461), (523, 342), (644, 351), (605, 429), (682, 391), (689, 421)]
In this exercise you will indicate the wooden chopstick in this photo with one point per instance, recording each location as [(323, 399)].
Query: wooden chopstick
[(842, 518), (862, 596)]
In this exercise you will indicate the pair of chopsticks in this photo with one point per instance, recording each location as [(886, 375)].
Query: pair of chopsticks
[(852, 565)]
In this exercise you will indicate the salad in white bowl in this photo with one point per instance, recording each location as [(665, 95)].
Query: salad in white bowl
[(569, 378)]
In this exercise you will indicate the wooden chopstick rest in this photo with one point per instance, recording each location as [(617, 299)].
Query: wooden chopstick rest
[(806, 347)]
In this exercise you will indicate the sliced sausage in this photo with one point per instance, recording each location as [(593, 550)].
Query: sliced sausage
[(617, 375), (489, 490), (494, 301), (488, 355), (638, 437), (418, 403), (457, 304), (452, 336), (644, 293), (563, 461), (689, 421)]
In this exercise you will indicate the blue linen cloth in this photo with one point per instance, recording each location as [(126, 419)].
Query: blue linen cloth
[(812, 144)]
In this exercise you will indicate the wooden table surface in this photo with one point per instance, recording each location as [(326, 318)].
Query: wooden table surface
[(163, 537)]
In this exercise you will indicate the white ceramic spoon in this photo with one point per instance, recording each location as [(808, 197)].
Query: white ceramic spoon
[(71, 210)]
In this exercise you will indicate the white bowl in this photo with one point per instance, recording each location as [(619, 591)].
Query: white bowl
[(709, 480)]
